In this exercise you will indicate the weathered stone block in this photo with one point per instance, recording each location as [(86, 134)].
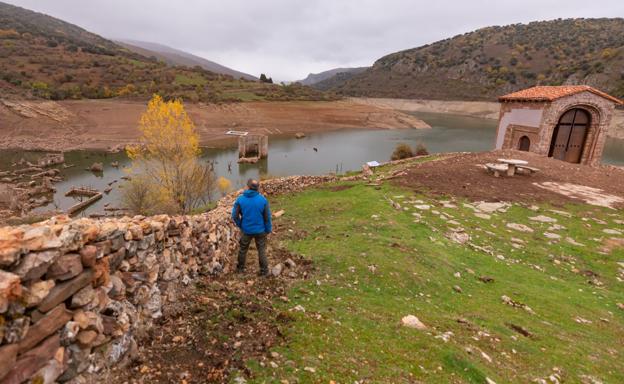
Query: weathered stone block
[(147, 241), (35, 264), (46, 326), (88, 256), (64, 290), (86, 339), (8, 356), (83, 297), (102, 272), (117, 242), (131, 248), (36, 292), (49, 372), (33, 360), (89, 320), (16, 330), (103, 248), (115, 259), (10, 289), (9, 255), (65, 267)]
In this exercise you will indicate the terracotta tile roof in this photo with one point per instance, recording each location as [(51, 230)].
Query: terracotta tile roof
[(550, 93)]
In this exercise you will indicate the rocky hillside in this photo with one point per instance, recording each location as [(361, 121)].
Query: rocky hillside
[(174, 57), (495, 60), (315, 78), (44, 57)]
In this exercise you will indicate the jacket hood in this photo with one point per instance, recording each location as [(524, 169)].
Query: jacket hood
[(250, 193)]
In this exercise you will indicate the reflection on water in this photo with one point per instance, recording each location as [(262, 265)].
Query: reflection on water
[(339, 151)]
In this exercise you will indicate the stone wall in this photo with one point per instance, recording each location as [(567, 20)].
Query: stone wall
[(537, 121), (74, 294)]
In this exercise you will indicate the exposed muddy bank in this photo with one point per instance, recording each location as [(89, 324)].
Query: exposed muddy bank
[(105, 124), (483, 109)]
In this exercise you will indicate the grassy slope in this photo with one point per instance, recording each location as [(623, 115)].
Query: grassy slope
[(350, 329)]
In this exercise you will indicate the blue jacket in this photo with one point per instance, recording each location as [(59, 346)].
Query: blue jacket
[(251, 213)]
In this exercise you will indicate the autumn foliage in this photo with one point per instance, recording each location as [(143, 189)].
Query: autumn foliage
[(166, 160)]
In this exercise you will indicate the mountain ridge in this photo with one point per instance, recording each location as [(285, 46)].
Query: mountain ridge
[(43, 57), (491, 61), (314, 78), (178, 57)]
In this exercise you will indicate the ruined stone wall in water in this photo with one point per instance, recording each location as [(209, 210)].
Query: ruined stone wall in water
[(74, 294)]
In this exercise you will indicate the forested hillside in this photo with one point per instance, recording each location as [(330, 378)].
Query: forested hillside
[(44, 57)]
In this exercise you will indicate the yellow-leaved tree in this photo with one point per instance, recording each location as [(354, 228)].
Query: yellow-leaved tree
[(224, 185), (165, 163)]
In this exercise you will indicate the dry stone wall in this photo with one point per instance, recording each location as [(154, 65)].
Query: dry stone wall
[(74, 294)]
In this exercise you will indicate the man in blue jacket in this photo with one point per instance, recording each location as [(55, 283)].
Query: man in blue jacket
[(252, 215)]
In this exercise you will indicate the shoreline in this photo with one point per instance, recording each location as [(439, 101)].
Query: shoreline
[(480, 109), (110, 124)]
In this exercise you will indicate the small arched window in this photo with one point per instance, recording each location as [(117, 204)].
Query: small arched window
[(524, 144)]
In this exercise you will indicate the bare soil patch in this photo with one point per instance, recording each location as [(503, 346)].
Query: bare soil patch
[(462, 175), (104, 124), (216, 326)]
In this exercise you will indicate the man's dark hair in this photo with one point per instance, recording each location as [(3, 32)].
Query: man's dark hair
[(253, 184)]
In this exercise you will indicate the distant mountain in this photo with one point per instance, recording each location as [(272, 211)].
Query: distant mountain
[(496, 60), (173, 56), (314, 78), (44, 57)]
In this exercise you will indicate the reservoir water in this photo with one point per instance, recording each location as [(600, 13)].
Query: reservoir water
[(319, 153)]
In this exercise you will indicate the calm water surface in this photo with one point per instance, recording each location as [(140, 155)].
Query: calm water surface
[(339, 151)]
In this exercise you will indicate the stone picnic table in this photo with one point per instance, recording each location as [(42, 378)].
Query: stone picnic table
[(512, 164), (509, 167)]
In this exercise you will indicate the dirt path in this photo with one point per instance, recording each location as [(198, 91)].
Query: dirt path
[(217, 325), (103, 124), (463, 175)]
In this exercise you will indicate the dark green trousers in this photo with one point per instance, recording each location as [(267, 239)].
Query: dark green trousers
[(244, 243)]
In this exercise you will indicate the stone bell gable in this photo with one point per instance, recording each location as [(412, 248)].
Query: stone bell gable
[(568, 123)]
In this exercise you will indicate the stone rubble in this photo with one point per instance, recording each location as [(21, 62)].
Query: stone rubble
[(75, 294)]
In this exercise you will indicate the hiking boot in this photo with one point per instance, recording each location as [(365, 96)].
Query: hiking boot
[(263, 274)]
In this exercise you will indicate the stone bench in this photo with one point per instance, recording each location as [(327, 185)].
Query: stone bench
[(526, 168), (496, 168)]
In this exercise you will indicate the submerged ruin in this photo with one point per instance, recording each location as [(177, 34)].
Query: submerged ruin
[(252, 148)]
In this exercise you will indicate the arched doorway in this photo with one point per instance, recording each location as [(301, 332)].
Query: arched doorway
[(569, 136), (524, 144)]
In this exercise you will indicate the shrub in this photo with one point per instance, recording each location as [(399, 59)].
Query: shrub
[(139, 197), (402, 151), (224, 185), (421, 150)]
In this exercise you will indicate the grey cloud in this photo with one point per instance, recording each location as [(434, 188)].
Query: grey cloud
[(289, 38)]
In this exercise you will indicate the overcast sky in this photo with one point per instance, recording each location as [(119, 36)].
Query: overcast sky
[(287, 39)]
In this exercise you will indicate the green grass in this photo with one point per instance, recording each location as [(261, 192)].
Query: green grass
[(191, 79), (351, 330)]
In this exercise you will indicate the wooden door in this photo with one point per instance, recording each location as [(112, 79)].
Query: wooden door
[(569, 136)]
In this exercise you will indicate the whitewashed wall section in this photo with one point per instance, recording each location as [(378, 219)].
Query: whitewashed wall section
[(524, 117)]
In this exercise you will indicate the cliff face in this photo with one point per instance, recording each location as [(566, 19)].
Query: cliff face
[(75, 293)]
